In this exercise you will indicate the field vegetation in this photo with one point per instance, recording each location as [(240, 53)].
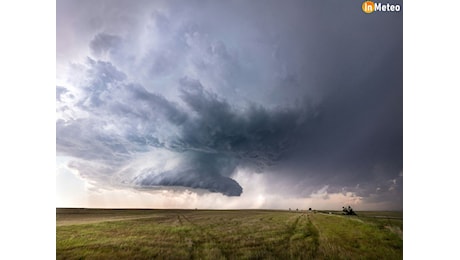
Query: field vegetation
[(226, 234)]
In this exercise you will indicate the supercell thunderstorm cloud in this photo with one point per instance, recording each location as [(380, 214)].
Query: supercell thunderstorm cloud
[(193, 96)]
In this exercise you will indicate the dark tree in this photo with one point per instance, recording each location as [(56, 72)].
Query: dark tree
[(348, 211)]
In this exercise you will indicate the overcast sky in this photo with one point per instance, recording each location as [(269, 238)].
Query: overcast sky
[(241, 104)]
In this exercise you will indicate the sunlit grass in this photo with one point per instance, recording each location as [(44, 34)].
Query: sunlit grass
[(186, 234)]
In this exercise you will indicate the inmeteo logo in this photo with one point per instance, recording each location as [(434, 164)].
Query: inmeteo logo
[(370, 7)]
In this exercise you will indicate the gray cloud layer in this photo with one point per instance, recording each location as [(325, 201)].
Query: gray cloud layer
[(210, 136), (185, 94)]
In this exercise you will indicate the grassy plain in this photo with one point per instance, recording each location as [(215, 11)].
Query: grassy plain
[(226, 234)]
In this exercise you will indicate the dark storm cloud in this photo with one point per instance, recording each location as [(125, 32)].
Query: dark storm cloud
[(212, 137), (308, 93), (253, 132), (218, 138), (201, 171)]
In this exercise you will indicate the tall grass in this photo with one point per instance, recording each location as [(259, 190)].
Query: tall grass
[(196, 234), (349, 237)]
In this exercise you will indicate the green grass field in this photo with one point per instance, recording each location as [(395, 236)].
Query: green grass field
[(226, 234)]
